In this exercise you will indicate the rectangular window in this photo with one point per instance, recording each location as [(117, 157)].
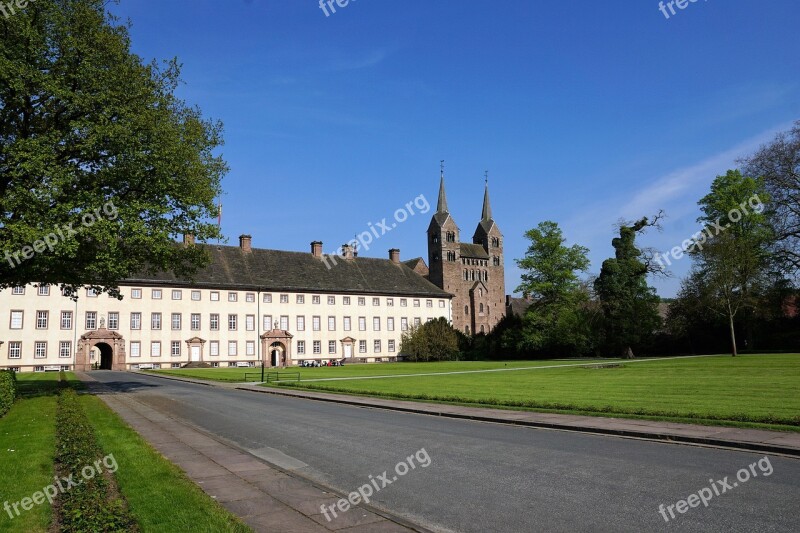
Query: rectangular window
[(136, 294), (362, 323), (250, 297), (17, 319), (232, 322), (390, 324), (391, 346), (376, 302), (331, 347), (331, 300), (136, 349), (284, 322), (315, 299), (41, 319), (389, 302), (317, 347), (301, 347), (267, 323), (196, 296), (214, 322), (136, 320), (250, 322), (233, 348), (428, 303), (376, 324), (66, 319), (156, 294), (315, 323), (376, 346), (267, 298), (301, 323), (44, 290), (14, 350), (155, 321), (441, 303), (195, 321), (346, 300), (91, 319), (300, 299), (113, 320), (417, 322), (250, 348), (284, 298), (213, 349), (177, 295), (403, 302), (331, 323), (176, 321), (362, 301), (18, 290), (214, 296), (346, 323), (233, 297), (91, 293), (155, 349), (403, 324), (416, 302), (362, 346), (40, 350), (175, 348)]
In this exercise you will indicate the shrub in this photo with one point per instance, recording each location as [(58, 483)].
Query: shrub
[(8, 390)]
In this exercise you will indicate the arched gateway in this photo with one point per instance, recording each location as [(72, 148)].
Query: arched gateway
[(111, 346), (276, 348)]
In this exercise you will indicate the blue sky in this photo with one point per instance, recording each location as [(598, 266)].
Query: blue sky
[(583, 112)]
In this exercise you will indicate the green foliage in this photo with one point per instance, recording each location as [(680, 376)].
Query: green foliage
[(8, 390), (630, 306), (435, 340), (90, 505), (87, 127)]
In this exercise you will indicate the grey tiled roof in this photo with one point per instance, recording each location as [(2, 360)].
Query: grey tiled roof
[(277, 270), (475, 251)]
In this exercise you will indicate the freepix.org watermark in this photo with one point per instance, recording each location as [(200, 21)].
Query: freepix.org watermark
[(378, 229), (8, 8), (61, 234), (377, 484), (668, 8), (717, 488), (699, 239), (329, 6), (61, 485)]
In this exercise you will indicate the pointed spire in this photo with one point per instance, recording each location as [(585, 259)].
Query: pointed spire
[(441, 207), (487, 208)]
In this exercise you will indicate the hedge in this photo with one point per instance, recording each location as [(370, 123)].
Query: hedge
[(91, 505), (8, 390)]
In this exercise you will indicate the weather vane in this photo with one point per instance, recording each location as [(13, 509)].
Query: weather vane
[(486, 176)]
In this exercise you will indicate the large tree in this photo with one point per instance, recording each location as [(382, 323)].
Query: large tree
[(435, 340), (732, 265), (555, 320), (101, 165), (630, 306), (778, 165)]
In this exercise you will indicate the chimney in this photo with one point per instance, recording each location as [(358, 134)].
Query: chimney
[(188, 239), (316, 249), (347, 251), (246, 243), (394, 256)]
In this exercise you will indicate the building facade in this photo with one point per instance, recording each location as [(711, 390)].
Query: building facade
[(473, 272), (248, 306)]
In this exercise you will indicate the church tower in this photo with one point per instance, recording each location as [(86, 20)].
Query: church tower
[(473, 273)]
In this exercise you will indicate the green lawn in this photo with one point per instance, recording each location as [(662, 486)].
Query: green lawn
[(160, 497), (749, 390)]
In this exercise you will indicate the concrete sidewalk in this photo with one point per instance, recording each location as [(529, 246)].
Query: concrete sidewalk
[(265, 498), (776, 442)]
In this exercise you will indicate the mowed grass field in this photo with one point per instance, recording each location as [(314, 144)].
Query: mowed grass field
[(746, 391)]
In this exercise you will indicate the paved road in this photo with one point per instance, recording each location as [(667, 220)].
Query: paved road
[(487, 477)]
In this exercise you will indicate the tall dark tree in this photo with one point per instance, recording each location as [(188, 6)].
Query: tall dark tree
[(435, 340), (630, 306), (101, 165), (778, 165)]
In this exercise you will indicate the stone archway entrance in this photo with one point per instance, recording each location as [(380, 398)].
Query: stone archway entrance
[(109, 343), (276, 348)]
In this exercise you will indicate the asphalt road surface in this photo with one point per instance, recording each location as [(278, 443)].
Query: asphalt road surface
[(484, 477)]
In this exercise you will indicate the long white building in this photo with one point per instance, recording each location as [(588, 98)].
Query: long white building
[(248, 305)]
